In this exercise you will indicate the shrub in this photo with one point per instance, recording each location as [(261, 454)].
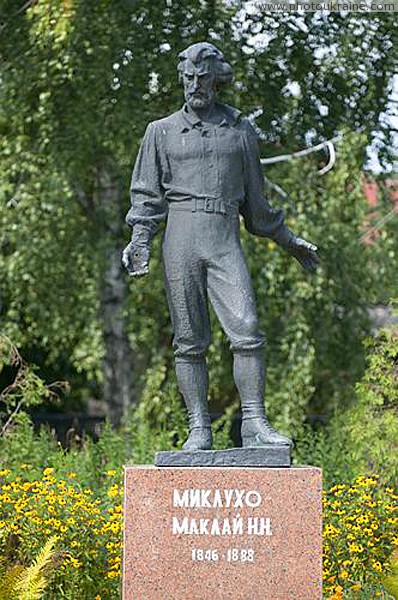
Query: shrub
[(28, 583), (75, 495), (87, 525), (359, 535), (359, 525), (363, 438)]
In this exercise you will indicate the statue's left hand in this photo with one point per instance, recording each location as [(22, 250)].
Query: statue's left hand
[(304, 252)]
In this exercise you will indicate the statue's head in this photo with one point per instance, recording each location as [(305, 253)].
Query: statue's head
[(202, 70)]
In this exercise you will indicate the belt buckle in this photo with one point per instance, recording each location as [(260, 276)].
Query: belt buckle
[(209, 205)]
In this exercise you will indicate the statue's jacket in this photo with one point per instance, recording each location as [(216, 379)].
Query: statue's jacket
[(182, 159)]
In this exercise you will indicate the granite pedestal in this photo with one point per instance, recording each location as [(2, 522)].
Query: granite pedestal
[(222, 533)]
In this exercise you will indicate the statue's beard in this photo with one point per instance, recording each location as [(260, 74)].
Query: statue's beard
[(199, 100)]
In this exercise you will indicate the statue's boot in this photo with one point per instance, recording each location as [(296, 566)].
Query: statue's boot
[(249, 375), (193, 383)]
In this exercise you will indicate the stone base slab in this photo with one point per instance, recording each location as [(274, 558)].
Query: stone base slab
[(219, 533), (271, 455)]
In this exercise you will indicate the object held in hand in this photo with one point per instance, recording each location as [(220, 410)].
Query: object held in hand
[(135, 259)]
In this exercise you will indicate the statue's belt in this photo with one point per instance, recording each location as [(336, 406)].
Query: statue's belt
[(209, 205)]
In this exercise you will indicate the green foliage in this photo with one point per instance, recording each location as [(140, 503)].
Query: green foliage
[(363, 437), (327, 448), (76, 494), (32, 582), (159, 421), (8, 578), (341, 67), (391, 581), (77, 497), (87, 523), (79, 83), (373, 421), (28, 583), (27, 388), (359, 534)]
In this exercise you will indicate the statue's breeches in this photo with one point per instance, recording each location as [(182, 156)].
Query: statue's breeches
[(203, 259)]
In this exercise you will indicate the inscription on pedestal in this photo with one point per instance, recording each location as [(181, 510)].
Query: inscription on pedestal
[(220, 533)]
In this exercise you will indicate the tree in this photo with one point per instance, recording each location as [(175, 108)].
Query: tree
[(78, 87), (88, 86), (315, 73)]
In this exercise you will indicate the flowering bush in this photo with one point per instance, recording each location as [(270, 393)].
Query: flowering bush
[(359, 535), (358, 532), (74, 496), (88, 530)]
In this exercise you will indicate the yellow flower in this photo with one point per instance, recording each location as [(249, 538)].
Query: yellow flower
[(355, 548), (377, 566), (111, 473), (113, 491), (362, 519), (72, 475), (48, 471), (344, 575), (74, 562), (112, 574), (330, 531), (4, 472)]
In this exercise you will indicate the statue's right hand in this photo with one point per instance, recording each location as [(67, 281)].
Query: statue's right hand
[(136, 259)]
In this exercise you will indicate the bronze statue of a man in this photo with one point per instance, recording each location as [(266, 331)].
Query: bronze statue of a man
[(199, 169)]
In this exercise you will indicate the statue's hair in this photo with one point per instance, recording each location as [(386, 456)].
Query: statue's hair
[(201, 51)]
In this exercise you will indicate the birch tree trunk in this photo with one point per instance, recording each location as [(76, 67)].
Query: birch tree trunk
[(118, 359)]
